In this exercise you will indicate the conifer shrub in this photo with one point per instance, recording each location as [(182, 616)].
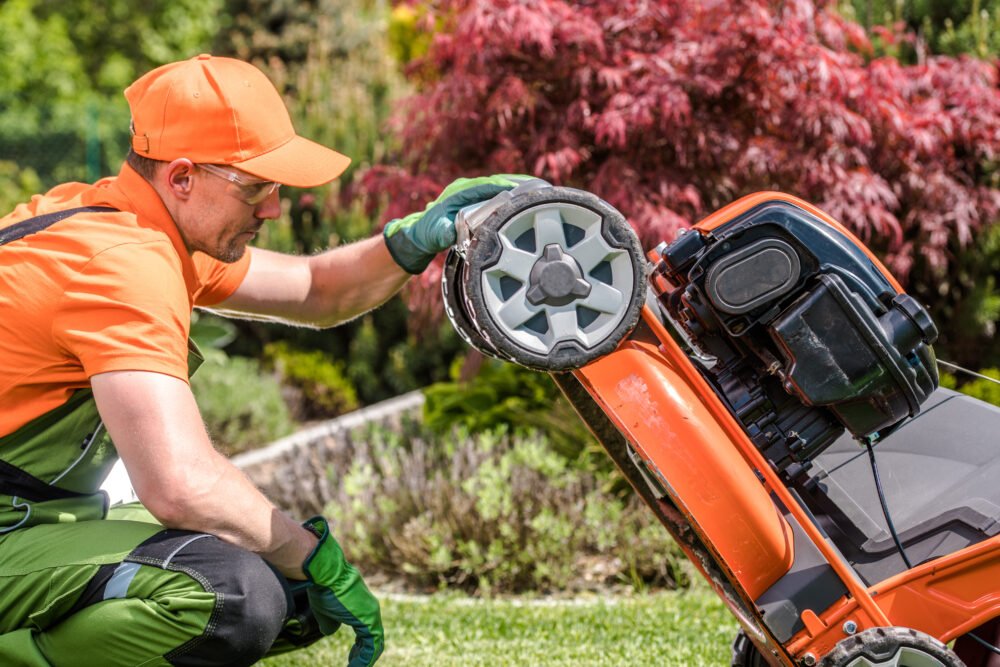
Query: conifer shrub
[(505, 395)]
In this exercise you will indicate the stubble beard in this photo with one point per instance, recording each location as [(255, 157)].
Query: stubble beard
[(231, 253)]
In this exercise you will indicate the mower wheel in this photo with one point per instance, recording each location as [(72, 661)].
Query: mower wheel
[(454, 274), (555, 279), (891, 647), (745, 654)]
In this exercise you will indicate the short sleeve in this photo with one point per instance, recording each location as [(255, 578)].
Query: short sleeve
[(218, 279), (127, 309)]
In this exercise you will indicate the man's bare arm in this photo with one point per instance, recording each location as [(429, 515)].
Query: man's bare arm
[(180, 478), (323, 290)]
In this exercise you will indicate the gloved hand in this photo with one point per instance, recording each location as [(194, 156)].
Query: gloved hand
[(413, 241), (339, 595)]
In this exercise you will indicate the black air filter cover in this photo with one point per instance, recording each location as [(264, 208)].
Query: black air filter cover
[(779, 296), (753, 275)]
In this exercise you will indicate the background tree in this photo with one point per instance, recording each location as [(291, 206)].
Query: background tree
[(63, 66), (670, 110), (912, 29)]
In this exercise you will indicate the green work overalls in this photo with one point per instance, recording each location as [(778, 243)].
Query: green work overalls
[(82, 585)]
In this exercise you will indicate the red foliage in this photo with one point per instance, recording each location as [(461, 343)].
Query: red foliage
[(670, 109)]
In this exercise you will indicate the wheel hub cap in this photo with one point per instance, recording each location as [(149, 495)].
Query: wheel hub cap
[(556, 279)]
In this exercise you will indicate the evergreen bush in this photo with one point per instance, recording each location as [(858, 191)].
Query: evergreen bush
[(504, 395), (319, 387)]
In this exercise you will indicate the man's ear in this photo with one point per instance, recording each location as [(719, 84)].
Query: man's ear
[(177, 178)]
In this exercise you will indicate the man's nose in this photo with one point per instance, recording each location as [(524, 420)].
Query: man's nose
[(270, 208)]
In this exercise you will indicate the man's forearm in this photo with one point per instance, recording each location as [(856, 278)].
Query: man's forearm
[(351, 280), (221, 501), (321, 291)]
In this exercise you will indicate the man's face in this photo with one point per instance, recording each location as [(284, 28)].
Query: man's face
[(220, 218)]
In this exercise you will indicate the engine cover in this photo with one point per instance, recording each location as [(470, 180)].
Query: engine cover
[(781, 300)]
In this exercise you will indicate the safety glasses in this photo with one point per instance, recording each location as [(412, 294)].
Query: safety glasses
[(252, 192)]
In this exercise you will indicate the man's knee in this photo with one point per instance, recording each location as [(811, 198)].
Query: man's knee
[(251, 600)]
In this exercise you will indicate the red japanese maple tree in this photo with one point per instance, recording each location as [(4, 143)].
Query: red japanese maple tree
[(669, 109)]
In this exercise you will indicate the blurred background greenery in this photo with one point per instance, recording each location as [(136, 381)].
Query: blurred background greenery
[(341, 65)]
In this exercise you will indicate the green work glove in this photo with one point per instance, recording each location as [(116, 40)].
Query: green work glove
[(413, 241), (338, 595)]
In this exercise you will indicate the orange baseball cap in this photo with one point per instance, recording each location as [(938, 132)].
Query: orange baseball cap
[(225, 111)]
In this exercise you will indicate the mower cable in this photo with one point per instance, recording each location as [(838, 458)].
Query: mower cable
[(966, 370), (885, 507), (892, 527), (989, 647)]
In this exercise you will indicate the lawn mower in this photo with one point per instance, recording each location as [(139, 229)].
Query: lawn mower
[(770, 391)]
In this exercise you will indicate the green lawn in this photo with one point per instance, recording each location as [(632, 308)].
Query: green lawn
[(688, 629)]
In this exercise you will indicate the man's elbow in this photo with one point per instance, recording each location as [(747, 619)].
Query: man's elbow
[(321, 311), (171, 510), (177, 503)]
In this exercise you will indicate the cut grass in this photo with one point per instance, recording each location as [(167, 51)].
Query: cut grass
[(682, 629)]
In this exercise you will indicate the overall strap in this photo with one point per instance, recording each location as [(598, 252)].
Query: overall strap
[(21, 229), (17, 482)]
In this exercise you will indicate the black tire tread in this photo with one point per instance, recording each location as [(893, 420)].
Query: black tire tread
[(879, 644), (744, 653), (485, 251)]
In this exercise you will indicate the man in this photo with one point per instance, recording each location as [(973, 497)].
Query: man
[(97, 285)]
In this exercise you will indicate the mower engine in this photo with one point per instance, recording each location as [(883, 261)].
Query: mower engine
[(798, 329)]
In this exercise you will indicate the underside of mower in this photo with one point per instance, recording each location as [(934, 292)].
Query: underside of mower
[(744, 378)]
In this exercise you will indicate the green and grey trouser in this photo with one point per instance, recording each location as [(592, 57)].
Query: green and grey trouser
[(82, 586)]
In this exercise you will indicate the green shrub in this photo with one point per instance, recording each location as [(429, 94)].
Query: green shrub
[(504, 395), (951, 27), (320, 387), (241, 405), (383, 360), (490, 513), (406, 41), (17, 184)]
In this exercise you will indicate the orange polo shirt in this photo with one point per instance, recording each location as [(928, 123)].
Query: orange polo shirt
[(97, 292)]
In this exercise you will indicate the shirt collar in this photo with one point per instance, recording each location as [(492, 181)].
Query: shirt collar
[(143, 200)]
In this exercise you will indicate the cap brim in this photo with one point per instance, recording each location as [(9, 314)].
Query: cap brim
[(300, 163)]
